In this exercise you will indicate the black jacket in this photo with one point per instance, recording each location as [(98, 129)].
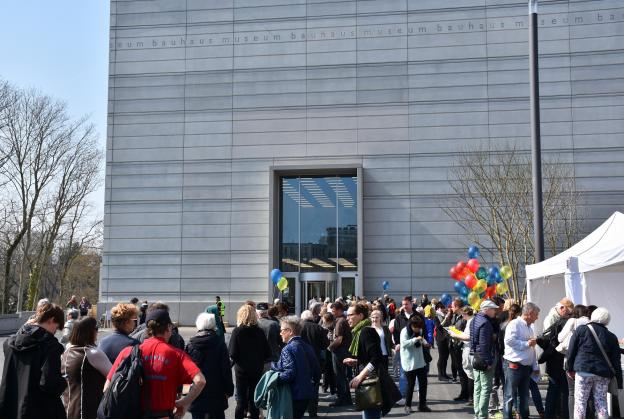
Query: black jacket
[(549, 341), (31, 380), (314, 335), (210, 354), (249, 350), (584, 355), (458, 321), (369, 350)]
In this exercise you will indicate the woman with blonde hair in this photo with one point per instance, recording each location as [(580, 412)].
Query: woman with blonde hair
[(249, 350), (124, 317)]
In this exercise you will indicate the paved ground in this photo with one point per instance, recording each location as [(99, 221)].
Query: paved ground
[(439, 395)]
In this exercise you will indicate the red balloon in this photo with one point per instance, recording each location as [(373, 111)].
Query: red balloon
[(460, 266), (490, 291), (470, 281), (454, 274), (473, 265), (466, 272)]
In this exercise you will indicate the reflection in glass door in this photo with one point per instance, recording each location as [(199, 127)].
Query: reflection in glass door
[(318, 289)]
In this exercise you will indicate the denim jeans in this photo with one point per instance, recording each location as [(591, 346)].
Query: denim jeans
[(557, 397), (213, 415), (342, 383), (371, 414), (536, 396), (516, 388)]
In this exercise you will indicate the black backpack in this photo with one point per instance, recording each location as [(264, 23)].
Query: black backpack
[(122, 398)]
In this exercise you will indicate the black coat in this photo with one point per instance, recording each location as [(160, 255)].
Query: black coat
[(549, 341), (210, 354), (584, 355), (32, 383), (249, 350), (314, 335), (369, 351)]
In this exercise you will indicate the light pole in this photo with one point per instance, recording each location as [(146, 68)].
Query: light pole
[(536, 150)]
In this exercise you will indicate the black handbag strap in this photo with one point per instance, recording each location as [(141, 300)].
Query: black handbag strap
[(601, 349)]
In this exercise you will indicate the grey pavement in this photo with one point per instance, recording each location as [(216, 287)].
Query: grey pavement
[(439, 395)]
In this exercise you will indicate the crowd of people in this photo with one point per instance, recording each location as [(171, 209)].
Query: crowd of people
[(275, 364)]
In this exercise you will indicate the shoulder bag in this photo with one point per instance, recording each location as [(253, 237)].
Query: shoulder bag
[(368, 394), (613, 384)]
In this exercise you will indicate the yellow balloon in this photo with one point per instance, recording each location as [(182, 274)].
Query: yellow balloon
[(477, 305), (282, 284), (473, 297), (506, 272), (480, 286), (502, 288)]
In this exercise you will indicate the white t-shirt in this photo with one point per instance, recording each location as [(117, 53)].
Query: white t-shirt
[(380, 332)]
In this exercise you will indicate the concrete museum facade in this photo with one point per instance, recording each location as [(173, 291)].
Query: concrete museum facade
[(316, 136)]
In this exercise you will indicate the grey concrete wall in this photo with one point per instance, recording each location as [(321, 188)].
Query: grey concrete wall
[(10, 323), (206, 95)]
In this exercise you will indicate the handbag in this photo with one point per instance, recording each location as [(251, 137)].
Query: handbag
[(478, 363), (368, 394), (427, 355), (613, 385)]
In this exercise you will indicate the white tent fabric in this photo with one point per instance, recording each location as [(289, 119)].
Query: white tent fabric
[(602, 247), (590, 272)]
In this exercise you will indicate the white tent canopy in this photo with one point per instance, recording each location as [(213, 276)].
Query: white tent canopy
[(590, 272)]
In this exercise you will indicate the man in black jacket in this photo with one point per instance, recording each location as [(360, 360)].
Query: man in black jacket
[(442, 340), (456, 346), (557, 393), (313, 334), (31, 379)]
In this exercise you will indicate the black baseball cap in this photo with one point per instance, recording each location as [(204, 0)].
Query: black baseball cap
[(160, 316)]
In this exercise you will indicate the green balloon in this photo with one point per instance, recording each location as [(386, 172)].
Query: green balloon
[(481, 273)]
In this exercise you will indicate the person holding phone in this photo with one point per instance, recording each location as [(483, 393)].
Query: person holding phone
[(413, 362)]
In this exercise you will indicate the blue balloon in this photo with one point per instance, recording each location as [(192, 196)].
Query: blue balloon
[(464, 299), (461, 288), (493, 270), (446, 299), (491, 280), (276, 275), (473, 252), (385, 285), (498, 278)]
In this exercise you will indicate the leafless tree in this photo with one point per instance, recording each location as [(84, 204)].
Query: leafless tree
[(51, 166), (492, 204)]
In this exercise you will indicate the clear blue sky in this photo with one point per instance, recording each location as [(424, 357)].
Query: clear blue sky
[(60, 48)]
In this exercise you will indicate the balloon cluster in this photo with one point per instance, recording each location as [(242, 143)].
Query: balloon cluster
[(278, 279), (475, 283)]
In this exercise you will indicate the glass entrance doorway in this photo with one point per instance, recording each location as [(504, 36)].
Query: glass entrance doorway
[(318, 285)]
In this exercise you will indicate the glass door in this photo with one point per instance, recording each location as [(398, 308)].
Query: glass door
[(316, 285)]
